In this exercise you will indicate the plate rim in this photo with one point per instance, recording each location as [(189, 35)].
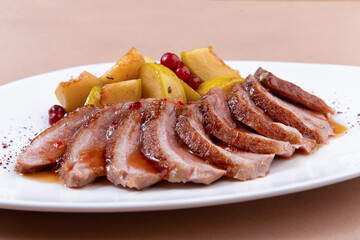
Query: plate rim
[(174, 204)]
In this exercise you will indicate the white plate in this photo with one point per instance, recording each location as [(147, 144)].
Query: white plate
[(24, 105)]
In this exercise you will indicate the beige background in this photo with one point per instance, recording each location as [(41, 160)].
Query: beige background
[(41, 36)]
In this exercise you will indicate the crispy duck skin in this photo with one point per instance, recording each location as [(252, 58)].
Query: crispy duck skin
[(237, 164), (311, 124), (219, 122), (245, 111), (165, 150), (50, 145), (292, 92), (84, 159), (126, 165)]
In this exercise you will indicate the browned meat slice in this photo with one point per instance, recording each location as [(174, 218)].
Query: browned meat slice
[(166, 151), (219, 122), (50, 145), (310, 124), (292, 92), (126, 165), (84, 159), (238, 164), (245, 111), (307, 145)]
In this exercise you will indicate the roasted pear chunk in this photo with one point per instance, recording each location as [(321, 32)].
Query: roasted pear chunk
[(191, 94), (121, 92), (203, 63), (73, 93), (225, 83), (94, 96), (159, 81), (126, 68)]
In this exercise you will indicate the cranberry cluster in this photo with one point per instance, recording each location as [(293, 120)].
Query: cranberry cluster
[(56, 113), (173, 62)]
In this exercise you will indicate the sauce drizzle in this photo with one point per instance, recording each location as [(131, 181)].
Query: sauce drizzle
[(337, 127), (44, 176)]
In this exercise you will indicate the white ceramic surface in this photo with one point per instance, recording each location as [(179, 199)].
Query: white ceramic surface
[(24, 105)]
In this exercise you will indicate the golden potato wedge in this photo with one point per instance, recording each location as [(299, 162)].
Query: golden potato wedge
[(203, 63), (121, 92), (94, 96), (73, 93), (159, 81), (191, 94), (225, 83), (125, 69)]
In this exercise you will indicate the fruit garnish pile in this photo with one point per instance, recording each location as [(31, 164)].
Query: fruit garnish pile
[(136, 76)]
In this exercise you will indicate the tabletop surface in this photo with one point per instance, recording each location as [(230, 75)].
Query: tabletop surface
[(42, 36)]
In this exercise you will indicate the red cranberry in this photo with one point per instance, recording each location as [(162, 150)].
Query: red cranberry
[(170, 60), (135, 105), (59, 144), (57, 108), (194, 82), (54, 117), (183, 73)]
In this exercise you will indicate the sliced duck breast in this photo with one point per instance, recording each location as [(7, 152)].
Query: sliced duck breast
[(219, 122), (237, 164), (165, 150), (51, 144), (126, 165), (84, 159), (307, 145), (292, 92), (245, 111), (310, 124)]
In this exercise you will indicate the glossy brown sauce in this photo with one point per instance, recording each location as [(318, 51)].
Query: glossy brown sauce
[(338, 131), (45, 176), (338, 128), (137, 160), (94, 158)]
